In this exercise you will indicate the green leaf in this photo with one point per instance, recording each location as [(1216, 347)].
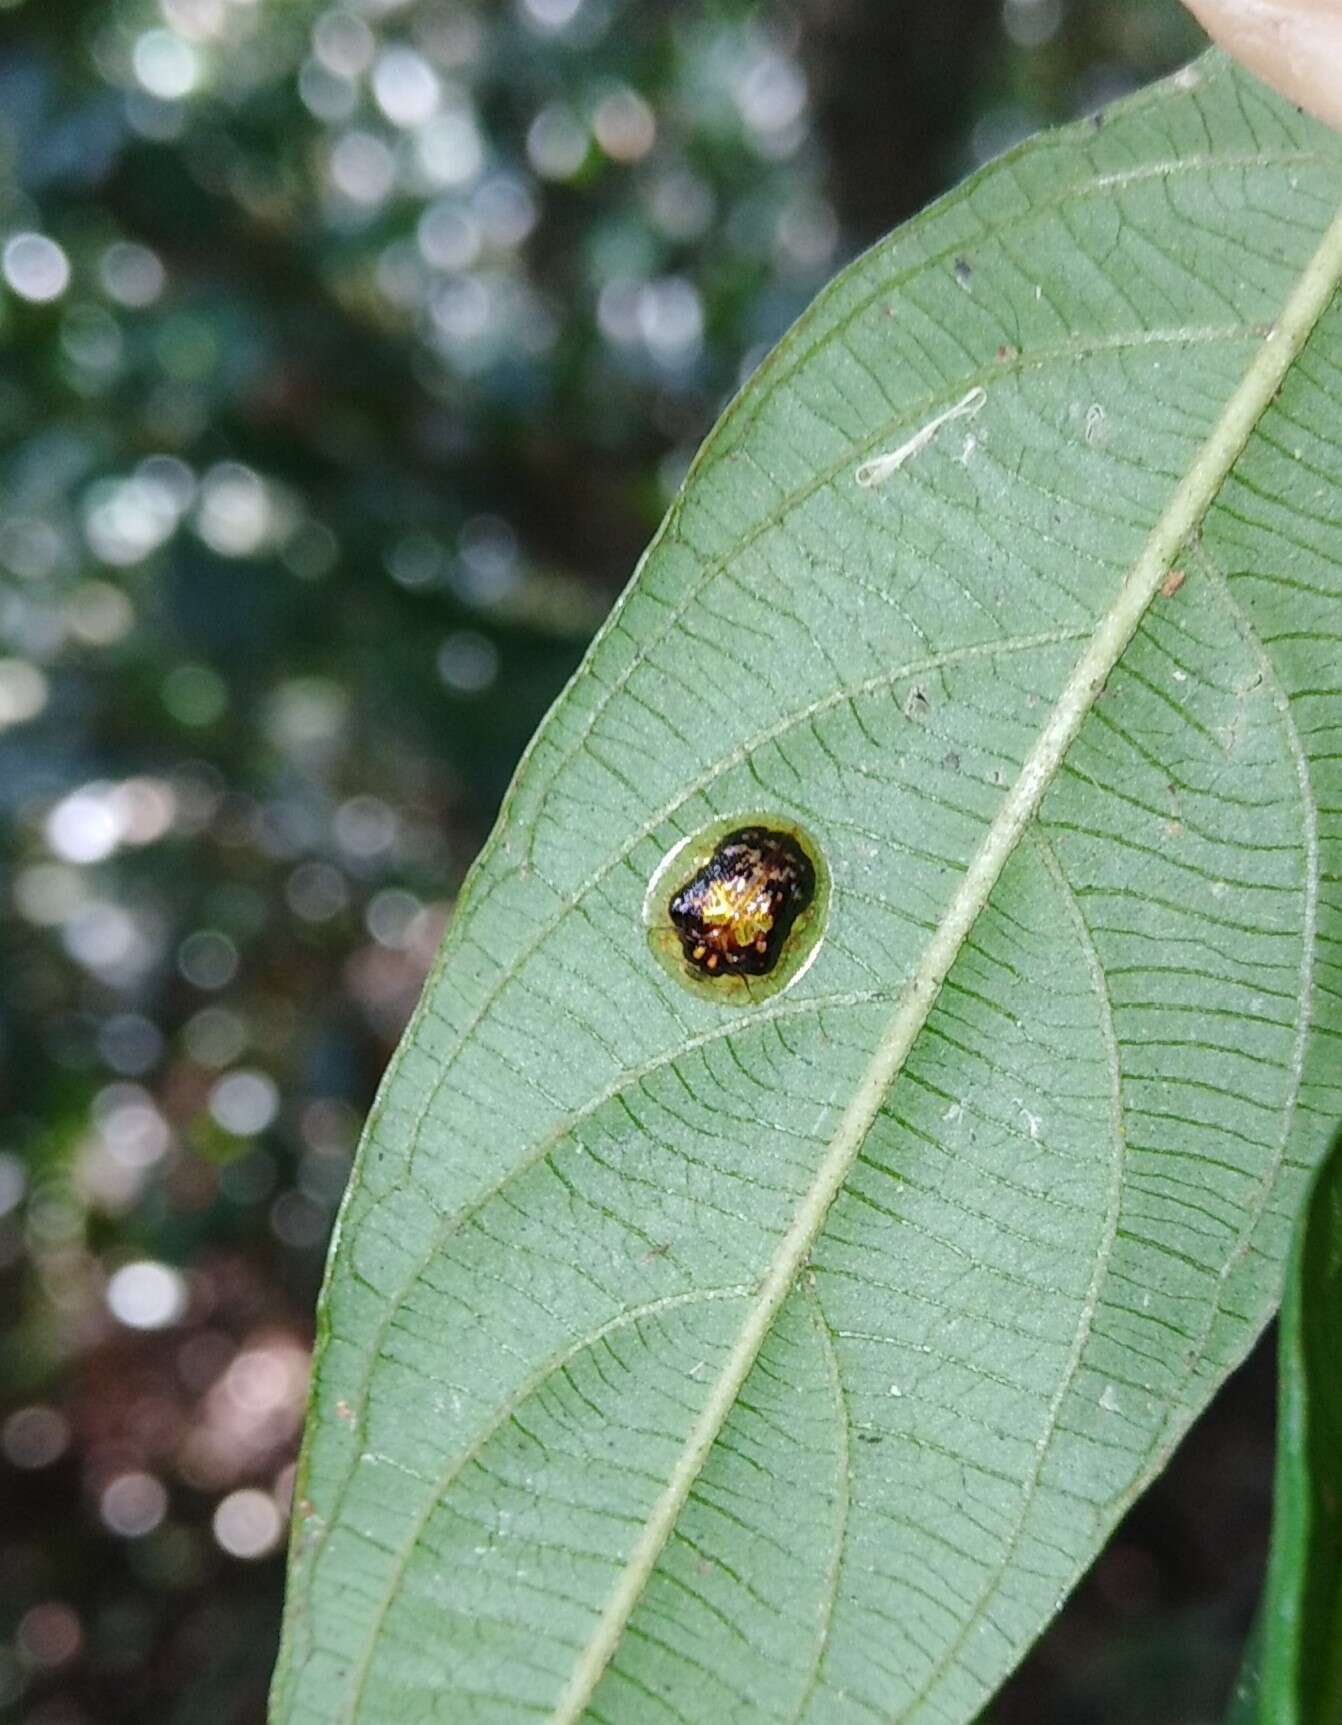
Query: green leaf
[(1293, 1673), (785, 1358), (1243, 1707)]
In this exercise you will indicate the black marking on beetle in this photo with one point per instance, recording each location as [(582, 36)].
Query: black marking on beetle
[(734, 916)]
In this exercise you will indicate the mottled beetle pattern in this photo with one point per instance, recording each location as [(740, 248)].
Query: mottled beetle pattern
[(733, 917)]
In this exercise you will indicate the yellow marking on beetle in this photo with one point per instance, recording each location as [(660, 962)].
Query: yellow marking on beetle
[(742, 905)]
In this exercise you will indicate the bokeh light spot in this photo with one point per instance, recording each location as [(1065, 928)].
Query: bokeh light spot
[(23, 692), (83, 827), (131, 274), (124, 520), (108, 940), (91, 340), (362, 168), (326, 96), (195, 695), (671, 319), (130, 1043), (29, 547), (198, 19), (208, 959), (244, 1103), (343, 43), (235, 515), (316, 892), (146, 1295), (130, 1124), (551, 14), (507, 209), (557, 142), (247, 1524), (298, 1222), (48, 894), (34, 1437), (406, 87), (450, 150), (449, 236), (214, 1036), (365, 826), (35, 267), (1031, 23), (97, 614), (468, 662), (165, 65), (133, 1504), (771, 96), (624, 125), (50, 1634)]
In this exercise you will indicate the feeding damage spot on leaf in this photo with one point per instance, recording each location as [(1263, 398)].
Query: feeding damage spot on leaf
[(1172, 583), (916, 704), (736, 912)]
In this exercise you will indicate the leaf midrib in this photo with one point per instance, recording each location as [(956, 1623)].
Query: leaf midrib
[(1267, 1177), (763, 389), (1037, 359), (1086, 1316), (1186, 509), (908, 415), (996, 647), (547, 1369), (454, 1220)]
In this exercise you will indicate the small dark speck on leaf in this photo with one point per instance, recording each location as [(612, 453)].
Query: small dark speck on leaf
[(964, 273), (868, 1437), (916, 704), (951, 762), (1172, 583), (1007, 352), (656, 1252)]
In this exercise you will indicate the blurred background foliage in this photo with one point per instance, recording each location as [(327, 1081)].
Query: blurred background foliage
[(350, 351)]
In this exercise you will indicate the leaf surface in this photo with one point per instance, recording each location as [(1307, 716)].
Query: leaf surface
[(697, 1361)]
